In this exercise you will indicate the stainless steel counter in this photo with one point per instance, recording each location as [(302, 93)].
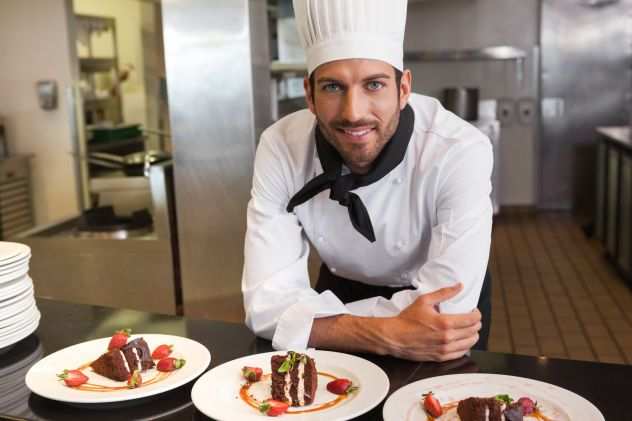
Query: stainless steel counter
[(621, 134)]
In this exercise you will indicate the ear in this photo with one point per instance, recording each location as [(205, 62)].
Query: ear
[(405, 88), (308, 95)]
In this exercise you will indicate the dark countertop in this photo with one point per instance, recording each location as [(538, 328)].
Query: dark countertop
[(63, 324)]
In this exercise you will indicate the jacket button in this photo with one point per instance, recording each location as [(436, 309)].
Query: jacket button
[(398, 180), (332, 270), (321, 239)]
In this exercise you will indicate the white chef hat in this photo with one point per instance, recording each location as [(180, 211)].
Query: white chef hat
[(343, 29)]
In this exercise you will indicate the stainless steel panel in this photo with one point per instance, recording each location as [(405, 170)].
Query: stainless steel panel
[(625, 229), (209, 63), (613, 185), (601, 191), (586, 65)]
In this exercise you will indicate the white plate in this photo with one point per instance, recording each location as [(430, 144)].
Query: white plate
[(15, 287), (16, 337), (15, 267), (216, 393), (10, 251), (21, 323), (8, 302), (42, 377), (16, 318), (556, 403), (14, 275), (21, 303)]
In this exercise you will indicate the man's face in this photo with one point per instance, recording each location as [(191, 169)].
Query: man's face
[(357, 107)]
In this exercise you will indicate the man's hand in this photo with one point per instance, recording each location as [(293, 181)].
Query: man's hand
[(421, 333), (418, 333)]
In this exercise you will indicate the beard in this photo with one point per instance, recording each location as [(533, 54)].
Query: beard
[(359, 157)]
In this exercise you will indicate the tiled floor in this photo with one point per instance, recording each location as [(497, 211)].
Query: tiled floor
[(554, 294)]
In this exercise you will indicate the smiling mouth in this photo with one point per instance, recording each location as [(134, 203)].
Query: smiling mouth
[(356, 133)]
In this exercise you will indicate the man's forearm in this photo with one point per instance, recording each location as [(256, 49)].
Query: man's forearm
[(350, 333)]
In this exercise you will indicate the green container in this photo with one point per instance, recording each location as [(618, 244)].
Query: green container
[(120, 132)]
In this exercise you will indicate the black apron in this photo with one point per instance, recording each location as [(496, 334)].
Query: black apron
[(348, 290)]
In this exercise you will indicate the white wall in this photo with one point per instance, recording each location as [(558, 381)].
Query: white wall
[(462, 24), (34, 45), (128, 15)]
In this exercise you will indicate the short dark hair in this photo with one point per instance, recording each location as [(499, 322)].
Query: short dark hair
[(398, 81)]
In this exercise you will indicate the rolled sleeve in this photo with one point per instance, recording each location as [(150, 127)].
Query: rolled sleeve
[(278, 300)]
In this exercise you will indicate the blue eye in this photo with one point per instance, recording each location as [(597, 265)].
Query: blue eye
[(331, 87), (374, 85)]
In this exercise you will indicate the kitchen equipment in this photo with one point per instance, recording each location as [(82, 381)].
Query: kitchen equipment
[(462, 101), (134, 164), (101, 222), (109, 133)]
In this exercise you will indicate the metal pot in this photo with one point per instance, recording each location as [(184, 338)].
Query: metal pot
[(462, 102)]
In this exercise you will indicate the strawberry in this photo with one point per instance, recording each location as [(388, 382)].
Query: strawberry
[(135, 380), (252, 374), (273, 408), (528, 406), (170, 364), (73, 378), (341, 386), (161, 351), (119, 339), (432, 405)]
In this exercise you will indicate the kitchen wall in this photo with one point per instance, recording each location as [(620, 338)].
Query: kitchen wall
[(466, 24), (128, 15), (34, 45)]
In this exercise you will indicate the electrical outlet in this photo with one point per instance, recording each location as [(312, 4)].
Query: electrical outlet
[(505, 111), (526, 111)]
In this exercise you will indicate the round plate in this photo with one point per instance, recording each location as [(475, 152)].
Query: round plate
[(554, 402), (42, 377), (10, 251), (216, 393), (17, 336), (14, 275), (15, 287)]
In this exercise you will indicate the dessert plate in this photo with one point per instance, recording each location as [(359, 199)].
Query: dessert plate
[(10, 252), (42, 377), (217, 393), (555, 403)]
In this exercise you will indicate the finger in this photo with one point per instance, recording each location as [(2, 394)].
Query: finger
[(460, 321), (462, 345), (454, 335), (440, 295)]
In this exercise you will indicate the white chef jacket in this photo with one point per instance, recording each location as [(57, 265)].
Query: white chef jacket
[(432, 217)]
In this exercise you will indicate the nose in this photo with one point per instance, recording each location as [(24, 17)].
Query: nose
[(352, 107)]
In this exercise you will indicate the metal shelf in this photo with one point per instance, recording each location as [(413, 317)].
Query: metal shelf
[(496, 53), (92, 65)]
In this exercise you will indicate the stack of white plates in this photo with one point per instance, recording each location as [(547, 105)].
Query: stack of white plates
[(19, 316), (14, 395)]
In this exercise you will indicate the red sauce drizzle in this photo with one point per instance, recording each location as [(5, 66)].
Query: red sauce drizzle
[(243, 393), (160, 375)]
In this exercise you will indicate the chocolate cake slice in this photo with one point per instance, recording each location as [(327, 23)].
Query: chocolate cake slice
[(112, 365), (138, 355), (479, 409), (294, 378)]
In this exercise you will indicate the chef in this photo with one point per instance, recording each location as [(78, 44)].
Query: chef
[(391, 189)]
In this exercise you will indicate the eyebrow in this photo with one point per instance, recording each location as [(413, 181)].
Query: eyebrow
[(366, 79)]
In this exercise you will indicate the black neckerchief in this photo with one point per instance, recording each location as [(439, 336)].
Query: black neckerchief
[(341, 185)]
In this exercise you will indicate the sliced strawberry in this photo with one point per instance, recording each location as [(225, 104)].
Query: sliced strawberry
[(161, 351), (432, 405), (170, 364), (527, 405), (252, 374), (135, 380), (119, 339), (341, 386), (273, 408), (73, 378)]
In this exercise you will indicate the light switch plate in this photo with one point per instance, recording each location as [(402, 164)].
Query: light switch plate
[(505, 111), (47, 94), (526, 111)]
